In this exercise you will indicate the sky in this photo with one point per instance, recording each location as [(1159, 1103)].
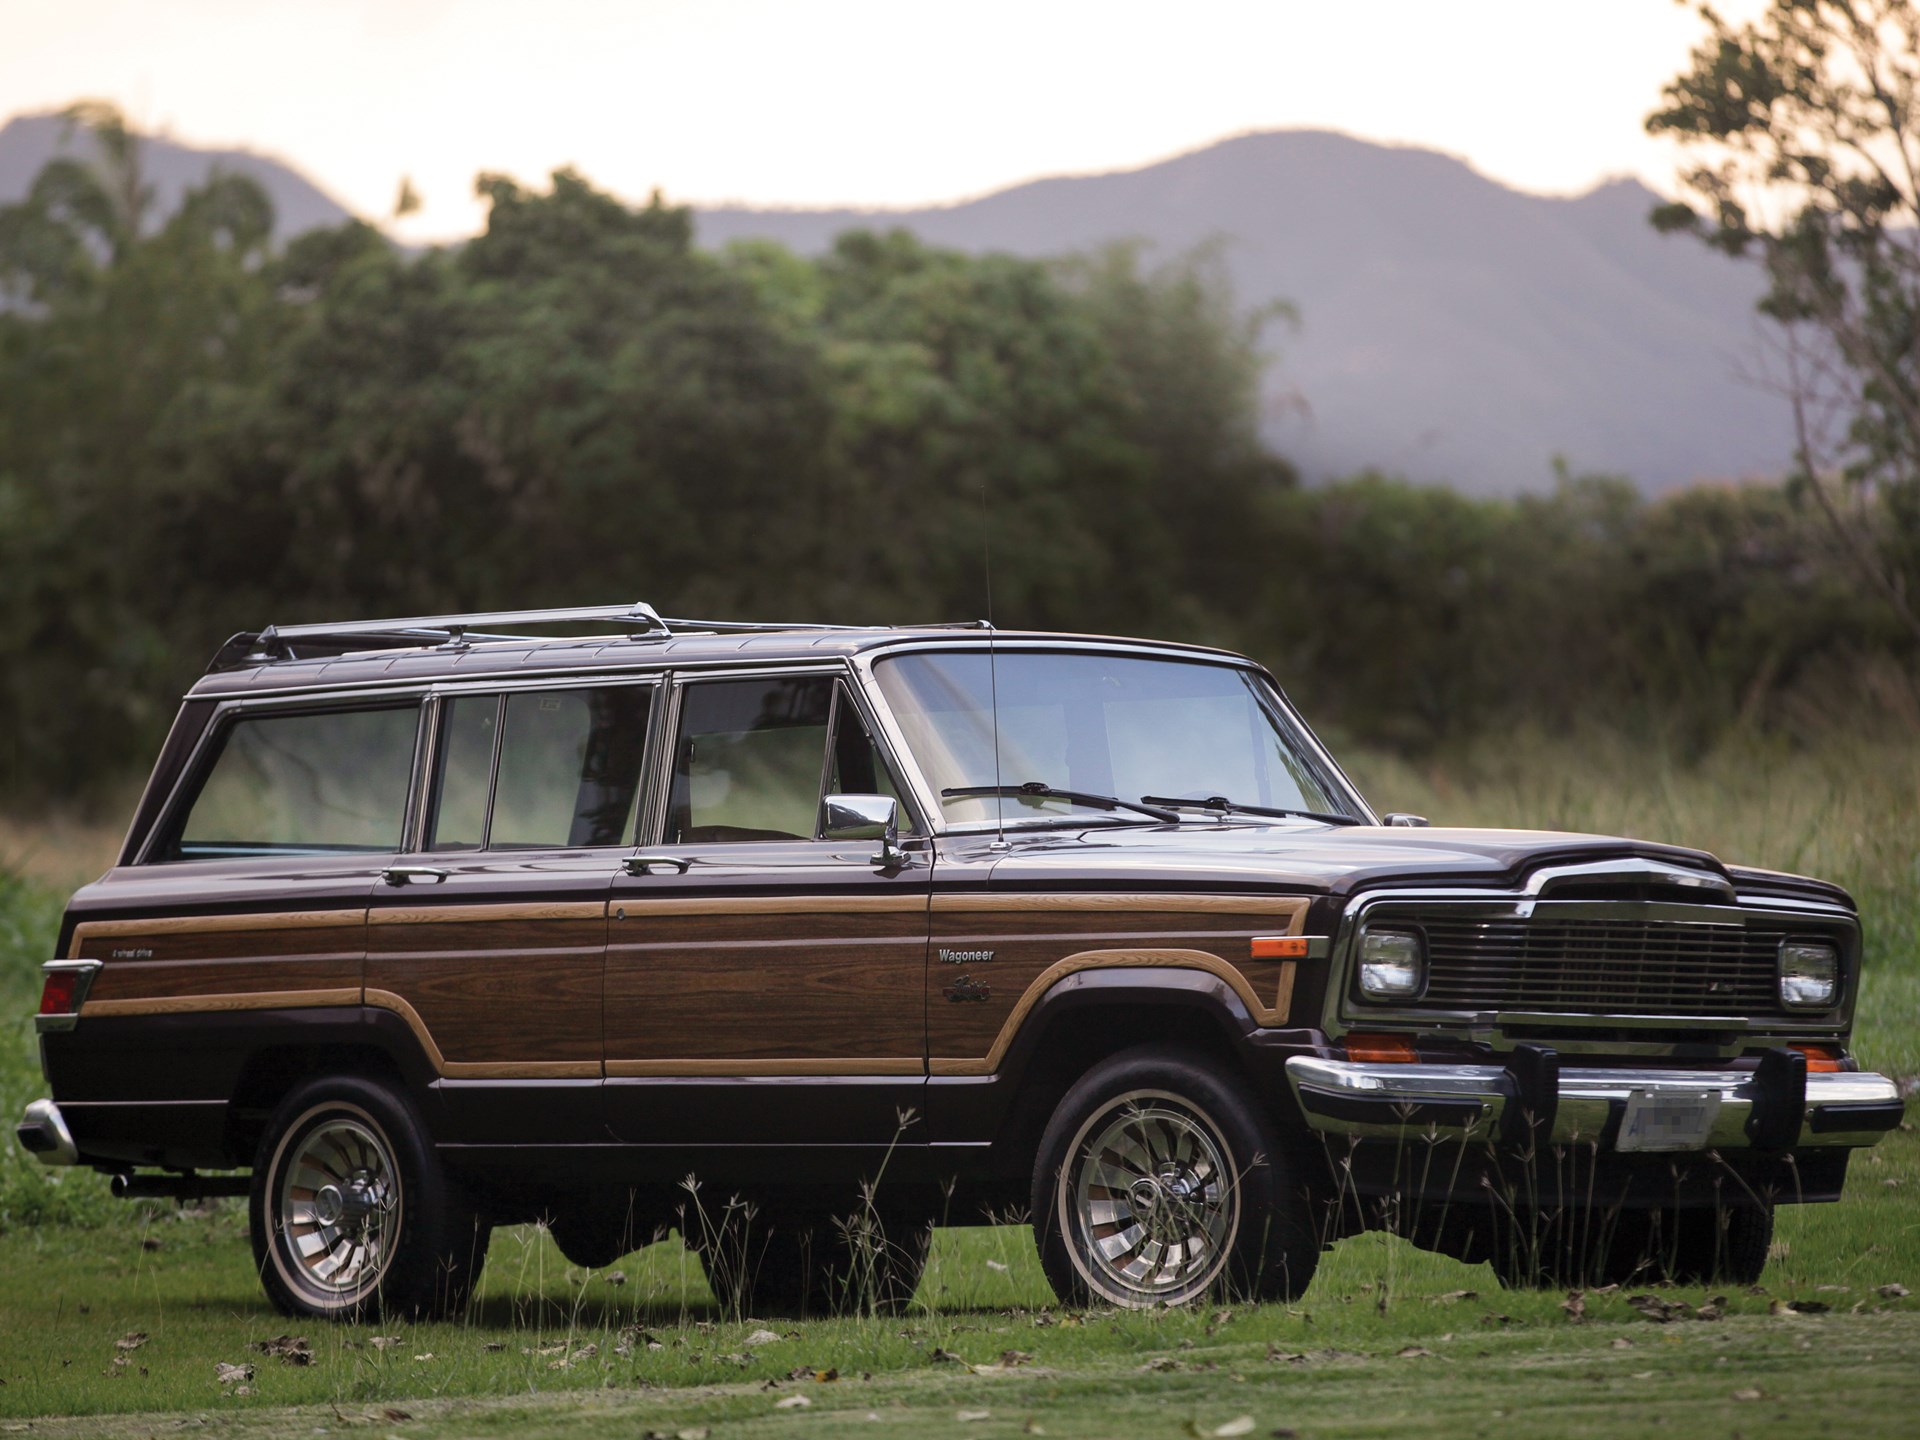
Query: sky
[(848, 102)]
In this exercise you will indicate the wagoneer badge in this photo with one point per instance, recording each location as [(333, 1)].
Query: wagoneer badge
[(965, 957)]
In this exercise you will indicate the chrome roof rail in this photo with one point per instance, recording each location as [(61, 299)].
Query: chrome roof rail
[(455, 632)]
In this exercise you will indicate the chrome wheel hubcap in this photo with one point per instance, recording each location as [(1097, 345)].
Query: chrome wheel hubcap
[(339, 1208), (1153, 1199)]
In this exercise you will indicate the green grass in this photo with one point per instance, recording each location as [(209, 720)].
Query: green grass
[(79, 1271)]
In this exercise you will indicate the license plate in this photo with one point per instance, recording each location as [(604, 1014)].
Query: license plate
[(1668, 1120)]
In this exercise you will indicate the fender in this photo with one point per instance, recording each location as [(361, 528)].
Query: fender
[(165, 1089), (977, 1114)]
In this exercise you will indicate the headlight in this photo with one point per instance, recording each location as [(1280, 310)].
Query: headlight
[(1809, 974), (1393, 964)]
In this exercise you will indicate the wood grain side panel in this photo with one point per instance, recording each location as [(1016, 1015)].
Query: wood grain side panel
[(213, 1004), (91, 937), (1101, 960), (497, 985), (470, 1070), (135, 980), (836, 993), (1027, 943)]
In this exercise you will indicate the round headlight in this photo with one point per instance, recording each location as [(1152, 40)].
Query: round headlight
[(1393, 964), (1809, 974)]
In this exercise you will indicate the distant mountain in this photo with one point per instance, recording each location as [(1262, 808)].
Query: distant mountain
[(1451, 329), (29, 141)]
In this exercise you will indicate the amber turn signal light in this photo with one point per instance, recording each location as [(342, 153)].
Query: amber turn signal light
[(1382, 1049), (59, 992), (1821, 1059), (1280, 947)]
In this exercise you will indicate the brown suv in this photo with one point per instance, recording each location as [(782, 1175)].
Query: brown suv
[(436, 926)]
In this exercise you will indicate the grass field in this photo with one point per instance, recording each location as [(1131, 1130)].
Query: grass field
[(1389, 1340)]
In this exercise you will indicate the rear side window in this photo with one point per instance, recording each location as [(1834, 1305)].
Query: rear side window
[(328, 782), (540, 769)]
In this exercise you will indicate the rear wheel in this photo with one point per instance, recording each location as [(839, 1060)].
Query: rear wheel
[(1158, 1182), (352, 1215)]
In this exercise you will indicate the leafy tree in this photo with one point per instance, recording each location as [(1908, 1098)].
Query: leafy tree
[(1805, 128)]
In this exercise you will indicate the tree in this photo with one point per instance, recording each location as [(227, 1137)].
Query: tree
[(1804, 125)]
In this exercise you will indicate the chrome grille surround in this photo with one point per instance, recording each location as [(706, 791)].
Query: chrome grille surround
[(1514, 963)]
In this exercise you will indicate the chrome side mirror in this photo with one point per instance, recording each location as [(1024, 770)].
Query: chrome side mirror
[(866, 817), (1401, 818)]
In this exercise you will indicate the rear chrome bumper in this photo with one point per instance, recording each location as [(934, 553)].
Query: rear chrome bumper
[(1532, 1099), (43, 1132)]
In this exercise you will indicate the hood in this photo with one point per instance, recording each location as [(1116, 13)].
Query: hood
[(1313, 859)]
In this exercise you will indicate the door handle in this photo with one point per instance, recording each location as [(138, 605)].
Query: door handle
[(414, 874), (647, 864)]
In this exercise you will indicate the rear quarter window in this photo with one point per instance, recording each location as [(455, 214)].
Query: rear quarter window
[(324, 782)]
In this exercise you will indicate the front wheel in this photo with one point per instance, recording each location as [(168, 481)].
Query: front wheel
[(1158, 1182), (352, 1214)]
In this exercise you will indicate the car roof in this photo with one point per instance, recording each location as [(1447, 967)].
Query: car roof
[(529, 658)]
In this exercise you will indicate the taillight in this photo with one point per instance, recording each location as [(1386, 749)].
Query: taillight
[(63, 992), (60, 995)]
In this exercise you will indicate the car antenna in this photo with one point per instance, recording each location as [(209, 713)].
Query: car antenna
[(993, 669)]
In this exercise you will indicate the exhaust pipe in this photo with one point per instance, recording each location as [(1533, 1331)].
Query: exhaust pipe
[(128, 1186)]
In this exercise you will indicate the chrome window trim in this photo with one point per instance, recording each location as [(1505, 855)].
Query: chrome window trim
[(225, 712), (1341, 1013)]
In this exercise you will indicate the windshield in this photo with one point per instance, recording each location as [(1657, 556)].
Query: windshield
[(1116, 725)]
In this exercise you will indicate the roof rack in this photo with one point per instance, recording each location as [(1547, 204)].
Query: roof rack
[(456, 632)]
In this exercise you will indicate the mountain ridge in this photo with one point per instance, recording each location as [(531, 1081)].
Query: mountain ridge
[(1451, 329)]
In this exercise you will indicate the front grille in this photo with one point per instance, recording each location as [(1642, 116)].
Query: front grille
[(1601, 967)]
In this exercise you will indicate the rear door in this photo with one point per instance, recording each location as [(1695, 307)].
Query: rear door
[(766, 986), (490, 938)]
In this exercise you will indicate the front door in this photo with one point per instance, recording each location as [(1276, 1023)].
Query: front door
[(490, 939), (766, 986)]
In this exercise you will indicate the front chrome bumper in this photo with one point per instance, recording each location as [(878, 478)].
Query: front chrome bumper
[(43, 1132), (1776, 1107)]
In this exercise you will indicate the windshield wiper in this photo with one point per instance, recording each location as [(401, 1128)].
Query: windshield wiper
[(1036, 789), (1233, 807)]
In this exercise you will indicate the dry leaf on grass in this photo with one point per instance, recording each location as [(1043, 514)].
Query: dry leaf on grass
[(288, 1349), (966, 1416), (1750, 1393), (231, 1374), (132, 1340), (762, 1337), (1414, 1352), (1893, 1292), (792, 1402), (997, 1266), (1575, 1305), (386, 1342), (1011, 1358)]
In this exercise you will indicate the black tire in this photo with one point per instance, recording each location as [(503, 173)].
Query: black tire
[(1223, 1194), (801, 1263), (408, 1239), (1578, 1248)]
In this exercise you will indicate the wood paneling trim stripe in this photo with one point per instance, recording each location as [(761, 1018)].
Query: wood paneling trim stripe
[(1293, 906), (641, 905), (634, 1069), (254, 1000), (1115, 960), (459, 914), (480, 1070), (212, 924)]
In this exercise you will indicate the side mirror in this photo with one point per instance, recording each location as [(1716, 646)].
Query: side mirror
[(866, 817), (1401, 818)]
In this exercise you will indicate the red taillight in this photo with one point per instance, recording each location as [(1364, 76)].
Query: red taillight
[(61, 992)]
